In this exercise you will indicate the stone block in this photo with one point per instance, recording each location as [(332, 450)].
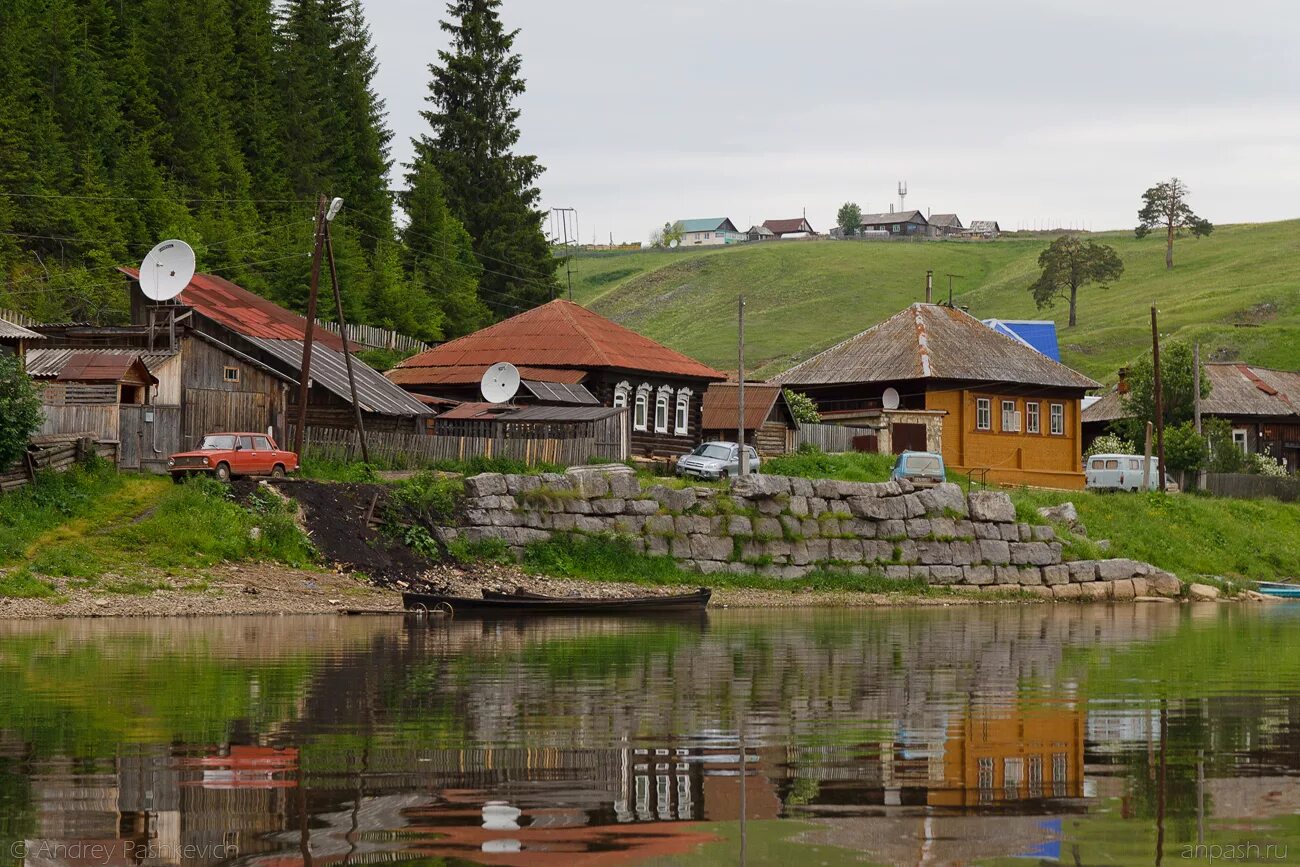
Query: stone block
[(919, 573), (1093, 591), (739, 525), (589, 485), (789, 573), (525, 536), (810, 528), (494, 501), (931, 553), (847, 550), (1030, 575), (446, 535), (710, 547), (563, 521), (710, 567), (624, 485), (1164, 584), (1038, 590), (877, 552), (760, 486), (1141, 587), (656, 546), (791, 526), (608, 506), (963, 529), (798, 506), (629, 525), (642, 507), (1006, 574), (1043, 534), (500, 518), (799, 554), (917, 528), (839, 508), (486, 485), (1122, 590), (555, 481), (905, 551), (943, 528), (769, 527), (1082, 571), (1031, 554), (985, 530), (1068, 592), (672, 499), (800, 487), (912, 507), (770, 506), (660, 525), (898, 573), (946, 574), (977, 575), (1116, 568), (1010, 532), (827, 489), (992, 506), (816, 505), (689, 524), (478, 517), (1202, 593), (879, 508), (893, 529), (963, 553), (829, 525), (738, 568), (994, 551), (516, 485), (576, 506), (859, 527), (593, 524), (819, 550), (777, 549), (1055, 574)]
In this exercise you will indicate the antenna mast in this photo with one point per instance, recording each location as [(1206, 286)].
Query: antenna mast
[(902, 195)]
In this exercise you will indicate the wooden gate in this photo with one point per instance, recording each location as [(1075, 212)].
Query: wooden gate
[(907, 437), (147, 435)]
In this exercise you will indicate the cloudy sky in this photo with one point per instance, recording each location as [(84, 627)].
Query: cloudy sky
[(1032, 112)]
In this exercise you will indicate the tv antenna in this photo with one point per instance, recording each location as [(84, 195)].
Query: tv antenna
[(950, 279), (500, 382), (902, 195), (167, 270)]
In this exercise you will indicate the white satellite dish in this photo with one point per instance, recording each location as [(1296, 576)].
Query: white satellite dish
[(167, 270), (500, 382), (890, 398)]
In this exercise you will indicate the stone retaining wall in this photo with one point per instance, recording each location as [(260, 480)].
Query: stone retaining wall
[(786, 527)]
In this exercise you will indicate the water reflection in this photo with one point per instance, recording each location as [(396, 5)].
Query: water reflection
[(1093, 733)]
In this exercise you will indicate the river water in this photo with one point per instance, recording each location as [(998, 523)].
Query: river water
[(1139, 733)]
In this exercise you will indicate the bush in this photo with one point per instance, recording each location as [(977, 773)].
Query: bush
[(803, 407), (428, 498), (20, 411), (1109, 444)]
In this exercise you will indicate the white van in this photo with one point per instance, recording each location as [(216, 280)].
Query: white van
[(1122, 473)]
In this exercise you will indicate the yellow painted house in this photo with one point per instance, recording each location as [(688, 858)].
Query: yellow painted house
[(935, 378)]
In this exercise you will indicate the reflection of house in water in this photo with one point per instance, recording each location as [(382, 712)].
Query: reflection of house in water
[(1022, 754)]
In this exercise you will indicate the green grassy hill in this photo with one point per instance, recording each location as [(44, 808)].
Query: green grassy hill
[(1236, 292)]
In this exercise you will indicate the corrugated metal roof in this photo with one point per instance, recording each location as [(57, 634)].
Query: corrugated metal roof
[(1243, 389), (720, 407), (104, 367), (472, 374), (47, 363), (559, 334), (1110, 407), (476, 411), (944, 221), (892, 217), (785, 227), (329, 370), (538, 414), (931, 341), (983, 226), (1037, 334), (558, 392), (246, 313), (14, 331), (706, 224)]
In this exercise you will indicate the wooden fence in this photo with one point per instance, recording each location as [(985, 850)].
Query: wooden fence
[(416, 450), (18, 318), (1247, 486), (57, 454), (833, 437), (377, 338)]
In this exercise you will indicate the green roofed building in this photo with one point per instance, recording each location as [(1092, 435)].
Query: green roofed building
[(708, 231)]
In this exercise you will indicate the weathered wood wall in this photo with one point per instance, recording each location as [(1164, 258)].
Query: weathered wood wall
[(148, 436), (255, 402), (830, 437), (56, 456), (99, 420), (1247, 486), (414, 450)]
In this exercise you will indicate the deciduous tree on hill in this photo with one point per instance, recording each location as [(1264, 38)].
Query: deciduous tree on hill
[(1165, 205), (849, 218), (1068, 265), (1176, 382), (20, 411)]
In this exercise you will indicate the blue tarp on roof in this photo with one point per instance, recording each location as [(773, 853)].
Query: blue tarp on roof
[(1034, 333)]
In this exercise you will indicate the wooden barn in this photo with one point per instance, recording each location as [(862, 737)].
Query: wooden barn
[(15, 340), (770, 425), (570, 356)]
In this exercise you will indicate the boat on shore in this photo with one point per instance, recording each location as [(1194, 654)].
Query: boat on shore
[(524, 602), (1279, 589)]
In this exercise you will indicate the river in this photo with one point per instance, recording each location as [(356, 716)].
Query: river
[(1089, 734)]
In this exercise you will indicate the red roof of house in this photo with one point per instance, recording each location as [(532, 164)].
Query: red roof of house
[(99, 367), (720, 408), (246, 313), (472, 375), (559, 334), (780, 227)]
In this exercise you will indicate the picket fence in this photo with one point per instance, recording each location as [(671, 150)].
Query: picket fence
[(1247, 486), (373, 337), (831, 437)]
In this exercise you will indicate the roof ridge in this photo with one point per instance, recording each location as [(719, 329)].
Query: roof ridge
[(573, 320), (810, 359)]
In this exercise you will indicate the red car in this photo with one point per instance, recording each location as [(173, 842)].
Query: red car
[(234, 454)]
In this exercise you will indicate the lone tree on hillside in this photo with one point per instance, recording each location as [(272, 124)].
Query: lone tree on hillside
[(1165, 205), (849, 218), (1069, 264)]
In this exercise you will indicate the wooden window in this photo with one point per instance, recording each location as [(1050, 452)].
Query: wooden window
[(621, 393), (661, 409), (983, 413), (682, 417), (1033, 417), (230, 374), (1010, 418), (641, 413), (1058, 419), (1241, 439)]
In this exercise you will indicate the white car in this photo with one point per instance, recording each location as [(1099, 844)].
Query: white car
[(715, 461), (1122, 473)]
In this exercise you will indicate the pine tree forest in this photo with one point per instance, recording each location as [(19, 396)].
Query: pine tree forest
[(221, 122)]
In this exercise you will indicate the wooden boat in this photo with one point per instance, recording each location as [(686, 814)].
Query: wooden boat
[(535, 603), (1279, 589)]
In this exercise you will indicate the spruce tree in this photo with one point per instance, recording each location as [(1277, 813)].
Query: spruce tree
[(471, 144)]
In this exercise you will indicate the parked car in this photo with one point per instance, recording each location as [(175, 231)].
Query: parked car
[(716, 461), (226, 455), (923, 469), (1122, 473)]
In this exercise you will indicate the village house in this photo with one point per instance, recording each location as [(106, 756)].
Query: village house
[(708, 231), (760, 233), (985, 229), (944, 225), (796, 226), (903, 224), (1260, 404), (770, 425), (568, 355), (935, 378), (15, 340)]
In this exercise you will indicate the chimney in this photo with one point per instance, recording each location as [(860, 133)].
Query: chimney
[(929, 286), (1122, 386), (891, 207)]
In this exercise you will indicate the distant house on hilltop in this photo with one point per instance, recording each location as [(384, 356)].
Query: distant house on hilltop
[(901, 223), (945, 225), (708, 231), (760, 233), (795, 226), (935, 378), (982, 229)]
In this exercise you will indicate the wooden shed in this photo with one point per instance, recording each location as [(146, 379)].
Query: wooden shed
[(770, 425), (15, 340)]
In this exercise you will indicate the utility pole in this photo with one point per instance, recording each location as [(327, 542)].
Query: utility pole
[(563, 214), (1196, 406), (741, 451), (1160, 397), (304, 380), (347, 350)]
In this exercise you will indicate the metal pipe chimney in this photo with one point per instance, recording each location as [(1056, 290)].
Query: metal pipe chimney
[(929, 287)]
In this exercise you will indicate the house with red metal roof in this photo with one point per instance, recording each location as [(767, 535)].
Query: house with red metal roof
[(795, 226), (568, 355)]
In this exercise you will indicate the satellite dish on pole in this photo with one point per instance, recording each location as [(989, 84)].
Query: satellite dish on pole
[(500, 382), (890, 398), (167, 270)]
